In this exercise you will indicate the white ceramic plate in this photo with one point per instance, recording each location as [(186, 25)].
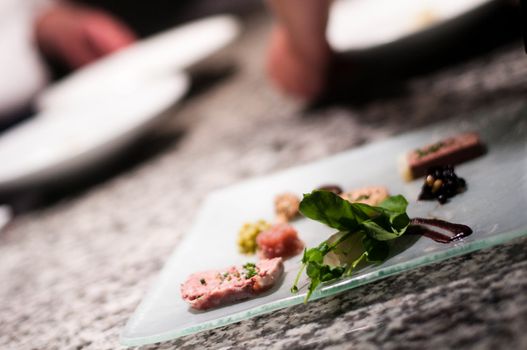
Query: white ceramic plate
[(493, 206), (356, 25), (5, 216), (55, 144), (162, 54)]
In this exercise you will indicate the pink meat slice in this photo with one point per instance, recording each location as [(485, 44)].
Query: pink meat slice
[(280, 240), (208, 289), (451, 151)]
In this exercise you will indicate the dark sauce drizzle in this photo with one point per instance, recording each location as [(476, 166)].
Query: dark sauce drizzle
[(417, 226)]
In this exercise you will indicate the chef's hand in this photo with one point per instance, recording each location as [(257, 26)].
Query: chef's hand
[(78, 35), (299, 55)]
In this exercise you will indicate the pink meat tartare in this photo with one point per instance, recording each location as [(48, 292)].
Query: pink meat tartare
[(281, 240)]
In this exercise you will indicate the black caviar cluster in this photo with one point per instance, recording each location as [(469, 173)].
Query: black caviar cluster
[(441, 183)]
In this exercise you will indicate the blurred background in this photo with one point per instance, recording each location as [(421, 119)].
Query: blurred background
[(68, 59)]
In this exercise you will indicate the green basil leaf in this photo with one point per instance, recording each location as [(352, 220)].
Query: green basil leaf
[(313, 270), (313, 255), (332, 210), (400, 222), (312, 286), (324, 248), (376, 225), (395, 204), (328, 273), (377, 251), (367, 210), (378, 232)]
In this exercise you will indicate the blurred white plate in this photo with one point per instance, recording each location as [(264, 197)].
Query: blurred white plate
[(364, 24), (5, 216), (157, 56), (55, 144)]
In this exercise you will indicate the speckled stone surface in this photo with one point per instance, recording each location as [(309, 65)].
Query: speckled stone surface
[(73, 272)]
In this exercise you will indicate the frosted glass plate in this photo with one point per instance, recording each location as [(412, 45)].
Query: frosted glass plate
[(494, 206)]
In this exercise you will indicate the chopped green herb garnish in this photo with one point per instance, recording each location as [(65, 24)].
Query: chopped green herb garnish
[(202, 281), (420, 153), (368, 227), (250, 270), (431, 149), (362, 197)]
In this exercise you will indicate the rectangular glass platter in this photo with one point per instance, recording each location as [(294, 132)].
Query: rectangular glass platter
[(494, 205)]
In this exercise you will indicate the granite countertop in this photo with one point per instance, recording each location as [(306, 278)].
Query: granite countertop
[(74, 270)]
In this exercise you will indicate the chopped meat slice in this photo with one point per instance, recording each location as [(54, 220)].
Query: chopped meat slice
[(367, 195), (450, 151), (208, 289), (281, 240), (286, 206)]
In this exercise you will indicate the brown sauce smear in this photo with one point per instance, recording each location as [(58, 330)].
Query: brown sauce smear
[(331, 188), (419, 226)]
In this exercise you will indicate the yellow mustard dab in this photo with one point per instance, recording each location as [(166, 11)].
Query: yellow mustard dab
[(248, 233)]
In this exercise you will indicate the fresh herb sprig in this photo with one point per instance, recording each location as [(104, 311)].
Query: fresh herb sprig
[(372, 226), (250, 270), (430, 149)]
